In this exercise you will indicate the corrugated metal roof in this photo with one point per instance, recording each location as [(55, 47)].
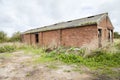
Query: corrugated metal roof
[(73, 23)]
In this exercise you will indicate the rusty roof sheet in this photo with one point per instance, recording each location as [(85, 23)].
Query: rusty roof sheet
[(68, 24)]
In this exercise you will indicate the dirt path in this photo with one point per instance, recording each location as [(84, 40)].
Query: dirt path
[(17, 67)]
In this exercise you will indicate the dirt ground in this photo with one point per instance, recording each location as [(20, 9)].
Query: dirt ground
[(20, 66)]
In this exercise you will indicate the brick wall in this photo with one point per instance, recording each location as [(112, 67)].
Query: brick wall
[(105, 24), (40, 38), (69, 37), (51, 38), (79, 36), (32, 39), (26, 38), (76, 37)]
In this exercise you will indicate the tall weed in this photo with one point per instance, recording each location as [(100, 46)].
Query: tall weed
[(99, 58), (7, 48)]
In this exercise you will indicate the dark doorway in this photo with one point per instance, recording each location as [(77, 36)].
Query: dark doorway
[(99, 37), (110, 35), (36, 37)]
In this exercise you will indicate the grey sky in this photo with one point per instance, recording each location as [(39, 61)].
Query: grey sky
[(21, 15)]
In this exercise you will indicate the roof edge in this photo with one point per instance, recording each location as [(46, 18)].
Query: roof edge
[(45, 28), (86, 24)]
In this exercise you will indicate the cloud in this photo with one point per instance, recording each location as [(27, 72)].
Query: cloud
[(112, 7), (21, 15)]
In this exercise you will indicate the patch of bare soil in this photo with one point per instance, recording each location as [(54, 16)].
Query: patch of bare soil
[(17, 68)]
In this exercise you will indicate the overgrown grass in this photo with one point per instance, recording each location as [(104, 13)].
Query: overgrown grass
[(117, 44), (102, 59), (52, 66), (42, 59), (5, 56), (99, 59), (7, 48), (34, 50)]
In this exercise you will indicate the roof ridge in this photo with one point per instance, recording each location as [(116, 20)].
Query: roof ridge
[(88, 16), (71, 23), (104, 14)]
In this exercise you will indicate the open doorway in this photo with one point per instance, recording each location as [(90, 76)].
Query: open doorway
[(99, 37), (110, 35), (36, 37)]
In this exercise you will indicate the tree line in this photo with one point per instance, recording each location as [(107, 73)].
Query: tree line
[(116, 35), (16, 37)]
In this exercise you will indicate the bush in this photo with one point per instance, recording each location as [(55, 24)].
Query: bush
[(70, 58), (3, 37), (16, 37), (104, 60), (116, 35), (98, 58), (7, 48)]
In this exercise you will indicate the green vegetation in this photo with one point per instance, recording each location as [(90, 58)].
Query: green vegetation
[(100, 59), (117, 43), (42, 59), (28, 74), (88, 23), (3, 37), (16, 37), (34, 50), (52, 66), (7, 55), (103, 60), (116, 35), (7, 48)]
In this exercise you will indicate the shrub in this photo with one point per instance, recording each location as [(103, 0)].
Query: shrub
[(99, 58), (7, 48), (105, 59), (16, 37), (70, 58), (116, 35), (3, 36)]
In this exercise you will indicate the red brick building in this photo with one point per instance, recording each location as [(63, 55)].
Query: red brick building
[(88, 31)]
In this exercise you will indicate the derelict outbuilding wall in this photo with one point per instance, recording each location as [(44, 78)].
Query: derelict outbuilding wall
[(26, 38), (106, 26), (79, 36), (91, 31), (75, 37), (50, 38)]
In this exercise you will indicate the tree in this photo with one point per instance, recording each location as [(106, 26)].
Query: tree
[(3, 36), (16, 37), (116, 35)]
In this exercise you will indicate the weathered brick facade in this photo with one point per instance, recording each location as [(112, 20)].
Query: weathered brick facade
[(94, 34), (79, 36)]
